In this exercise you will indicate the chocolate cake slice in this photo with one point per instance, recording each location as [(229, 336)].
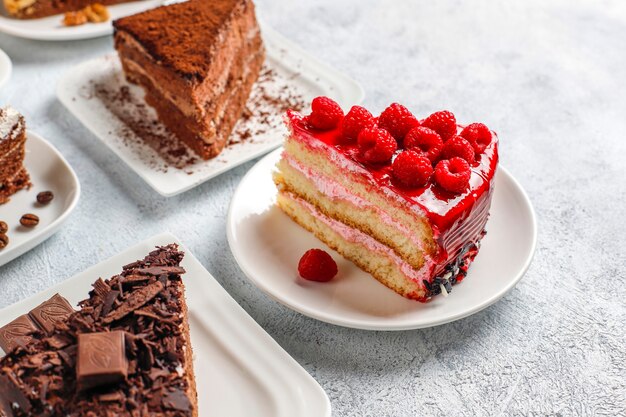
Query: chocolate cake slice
[(13, 174), (126, 352), (32, 9), (197, 62)]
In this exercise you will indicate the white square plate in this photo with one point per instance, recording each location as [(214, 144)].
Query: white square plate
[(295, 69), (52, 29), (49, 171), (237, 364)]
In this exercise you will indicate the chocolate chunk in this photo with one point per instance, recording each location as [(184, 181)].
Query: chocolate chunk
[(177, 400), (17, 333), (12, 397), (50, 312), (101, 359), (159, 270), (135, 300)]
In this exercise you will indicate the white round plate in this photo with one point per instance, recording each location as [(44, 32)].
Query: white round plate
[(5, 68), (267, 244), (51, 28), (49, 171)]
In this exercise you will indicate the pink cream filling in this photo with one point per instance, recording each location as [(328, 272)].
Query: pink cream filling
[(336, 191), (353, 235)]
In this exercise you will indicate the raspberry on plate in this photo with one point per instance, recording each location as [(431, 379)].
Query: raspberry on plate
[(442, 122), (356, 120), (397, 120), (458, 146), (425, 140), (325, 113), (376, 145), (317, 265), (453, 174), (478, 135), (412, 169)]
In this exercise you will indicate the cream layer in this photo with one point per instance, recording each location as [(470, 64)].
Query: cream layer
[(355, 236), (336, 191)]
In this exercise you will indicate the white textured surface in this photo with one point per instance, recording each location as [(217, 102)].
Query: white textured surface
[(549, 77)]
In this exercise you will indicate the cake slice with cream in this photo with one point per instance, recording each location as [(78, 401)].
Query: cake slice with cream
[(405, 199), (197, 62), (13, 174)]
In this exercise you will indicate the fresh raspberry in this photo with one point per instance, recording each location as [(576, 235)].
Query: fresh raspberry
[(412, 169), (376, 145), (478, 135), (453, 174), (458, 146), (442, 122), (397, 120), (325, 113), (357, 118), (317, 265), (426, 140)]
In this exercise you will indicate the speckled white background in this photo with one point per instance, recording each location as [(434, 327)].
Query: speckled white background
[(550, 77)]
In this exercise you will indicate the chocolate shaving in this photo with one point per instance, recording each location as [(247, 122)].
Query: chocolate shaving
[(159, 270), (110, 298), (177, 400), (101, 288), (135, 300)]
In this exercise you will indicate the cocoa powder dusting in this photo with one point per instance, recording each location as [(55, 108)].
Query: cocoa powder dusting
[(271, 96)]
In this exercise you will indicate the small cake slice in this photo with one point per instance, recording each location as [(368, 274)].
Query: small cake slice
[(126, 352), (13, 174), (404, 199), (32, 9), (197, 62)]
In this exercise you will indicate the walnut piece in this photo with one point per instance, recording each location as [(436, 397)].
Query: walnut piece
[(94, 13), (75, 18), (18, 7)]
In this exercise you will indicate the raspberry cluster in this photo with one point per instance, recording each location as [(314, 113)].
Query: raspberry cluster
[(418, 151)]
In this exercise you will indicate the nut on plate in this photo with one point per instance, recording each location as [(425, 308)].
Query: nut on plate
[(75, 18), (96, 13)]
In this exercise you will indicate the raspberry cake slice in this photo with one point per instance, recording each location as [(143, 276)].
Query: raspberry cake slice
[(405, 199), (13, 174)]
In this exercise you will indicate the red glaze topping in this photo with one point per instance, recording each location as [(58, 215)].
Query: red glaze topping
[(454, 216)]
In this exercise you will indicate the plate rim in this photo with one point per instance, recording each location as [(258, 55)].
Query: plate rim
[(364, 324), (6, 59), (270, 35), (12, 253), (166, 238)]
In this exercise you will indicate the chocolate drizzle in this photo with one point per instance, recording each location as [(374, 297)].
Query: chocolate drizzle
[(153, 375)]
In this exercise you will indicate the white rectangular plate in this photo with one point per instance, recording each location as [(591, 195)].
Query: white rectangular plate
[(52, 29), (49, 171), (237, 364), (295, 70)]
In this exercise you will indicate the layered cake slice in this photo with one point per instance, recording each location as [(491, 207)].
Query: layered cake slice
[(404, 199), (32, 9), (197, 62), (13, 174), (126, 352)]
